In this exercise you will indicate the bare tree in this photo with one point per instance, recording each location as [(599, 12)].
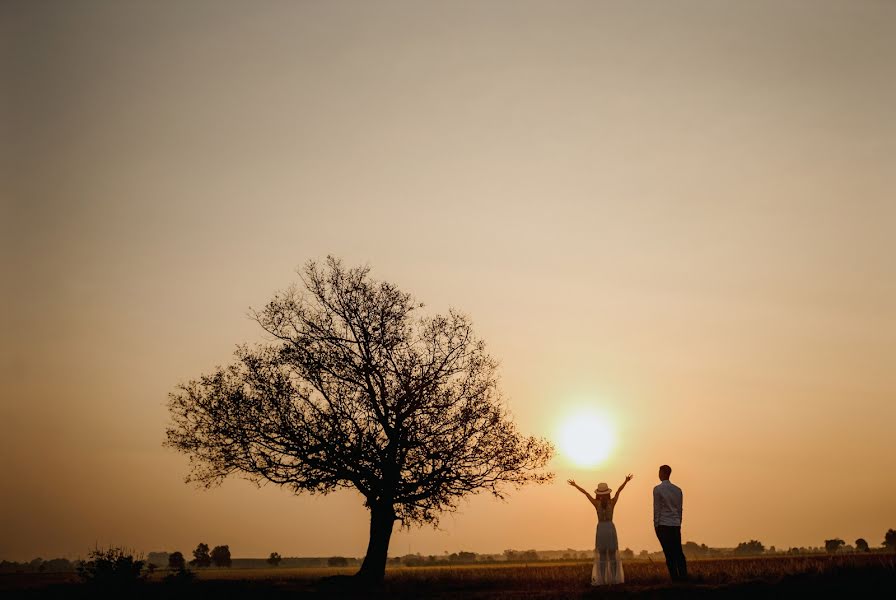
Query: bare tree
[(356, 390)]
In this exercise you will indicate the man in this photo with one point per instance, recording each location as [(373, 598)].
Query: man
[(667, 508)]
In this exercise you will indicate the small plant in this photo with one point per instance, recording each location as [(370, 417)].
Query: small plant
[(181, 576), (114, 567)]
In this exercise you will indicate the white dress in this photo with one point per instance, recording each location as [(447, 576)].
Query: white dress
[(607, 567)]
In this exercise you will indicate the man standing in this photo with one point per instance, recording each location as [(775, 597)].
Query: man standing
[(667, 507)]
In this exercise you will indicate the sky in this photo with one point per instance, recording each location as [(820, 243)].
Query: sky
[(678, 215)]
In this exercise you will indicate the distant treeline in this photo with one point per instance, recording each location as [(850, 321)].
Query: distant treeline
[(220, 556), (39, 565), (161, 559)]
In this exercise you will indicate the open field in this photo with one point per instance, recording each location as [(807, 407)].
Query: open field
[(731, 577)]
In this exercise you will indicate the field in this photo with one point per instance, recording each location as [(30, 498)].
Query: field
[(784, 577)]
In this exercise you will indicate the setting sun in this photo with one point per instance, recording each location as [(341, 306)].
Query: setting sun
[(586, 438)]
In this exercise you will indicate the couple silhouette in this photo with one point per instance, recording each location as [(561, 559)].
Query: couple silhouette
[(667, 511)]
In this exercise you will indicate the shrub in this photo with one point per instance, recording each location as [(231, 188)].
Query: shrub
[(181, 576), (114, 567)]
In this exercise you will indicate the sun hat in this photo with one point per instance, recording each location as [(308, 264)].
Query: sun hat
[(602, 489)]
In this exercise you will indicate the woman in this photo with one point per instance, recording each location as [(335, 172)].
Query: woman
[(607, 566)]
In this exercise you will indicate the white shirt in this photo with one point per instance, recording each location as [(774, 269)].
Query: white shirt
[(668, 502)]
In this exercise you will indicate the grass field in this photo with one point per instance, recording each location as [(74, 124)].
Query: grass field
[(783, 577)]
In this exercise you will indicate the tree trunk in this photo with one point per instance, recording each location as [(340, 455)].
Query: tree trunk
[(382, 518)]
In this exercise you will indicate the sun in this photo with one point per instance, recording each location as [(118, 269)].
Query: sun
[(586, 438)]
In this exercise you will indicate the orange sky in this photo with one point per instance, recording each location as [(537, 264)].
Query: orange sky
[(678, 213)]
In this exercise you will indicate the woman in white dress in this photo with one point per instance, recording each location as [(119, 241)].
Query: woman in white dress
[(607, 566)]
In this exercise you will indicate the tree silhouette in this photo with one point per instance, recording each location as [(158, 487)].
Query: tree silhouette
[(201, 556), (358, 391), (751, 547), (176, 561), (57, 565), (862, 545), (832, 546), (274, 559), (221, 556), (112, 568), (890, 540)]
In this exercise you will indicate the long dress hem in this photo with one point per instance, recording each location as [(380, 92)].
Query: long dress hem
[(607, 567)]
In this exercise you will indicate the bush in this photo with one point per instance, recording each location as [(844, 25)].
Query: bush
[(112, 568), (181, 576)]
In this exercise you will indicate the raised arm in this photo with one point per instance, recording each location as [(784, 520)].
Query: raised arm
[(628, 478), (573, 484)]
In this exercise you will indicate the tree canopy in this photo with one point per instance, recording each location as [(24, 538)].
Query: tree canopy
[(176, 561), (890, 539), (220, 556), (357, 389), (201, 557), (751, 547)]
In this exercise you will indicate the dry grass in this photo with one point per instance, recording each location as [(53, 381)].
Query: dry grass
[(571, 579), (760, 576), (706, 571)]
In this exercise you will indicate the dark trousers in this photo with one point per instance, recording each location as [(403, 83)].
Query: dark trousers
[(670, 540)]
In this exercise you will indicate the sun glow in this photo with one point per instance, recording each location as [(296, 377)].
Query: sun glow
[(586, 438)]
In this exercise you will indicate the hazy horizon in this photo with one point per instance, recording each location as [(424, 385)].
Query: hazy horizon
[(678, 215)]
